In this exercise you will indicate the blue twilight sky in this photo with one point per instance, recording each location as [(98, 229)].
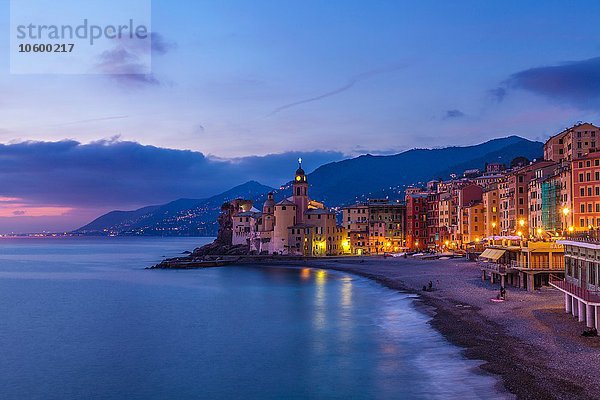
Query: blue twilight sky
[(233, 79)]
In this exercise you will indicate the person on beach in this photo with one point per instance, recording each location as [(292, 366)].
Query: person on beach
[(430, 286)]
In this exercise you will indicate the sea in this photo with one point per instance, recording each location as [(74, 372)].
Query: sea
[(81, 318)]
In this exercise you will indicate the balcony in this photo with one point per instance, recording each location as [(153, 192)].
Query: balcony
[(591, 236), (591, 296), (537, 266), (492, 267)]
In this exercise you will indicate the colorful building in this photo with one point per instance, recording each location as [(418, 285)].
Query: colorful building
[(586, 191), (581, 284)]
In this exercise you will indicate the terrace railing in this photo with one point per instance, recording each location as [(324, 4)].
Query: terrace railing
[(575, 290), (492, 266), (545, 265), (591, 236)]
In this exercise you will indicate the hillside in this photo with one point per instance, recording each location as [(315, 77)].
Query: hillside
[(183, 217), (349, 180), (337, 183)]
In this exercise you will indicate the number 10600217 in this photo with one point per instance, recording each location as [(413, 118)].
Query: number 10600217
[(46, 48)]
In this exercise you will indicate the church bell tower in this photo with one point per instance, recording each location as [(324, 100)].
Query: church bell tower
[(300, 193)]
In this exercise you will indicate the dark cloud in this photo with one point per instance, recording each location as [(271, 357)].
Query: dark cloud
[(125, 67), (451, 114), (576, 83), (160, 45), (498, 94), (112, 173), (349, 85), (128, 62)]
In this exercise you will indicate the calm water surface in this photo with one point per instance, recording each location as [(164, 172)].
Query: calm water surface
[(80, 318)]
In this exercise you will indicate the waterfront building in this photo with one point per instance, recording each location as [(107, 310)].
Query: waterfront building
[(356, 221), (296, 225), (448, 219), (491, 210), (472, 226), (318, 236), (572, 143), (514, 198), (416, 220), (435, 234), (564, 147), (375, 227), (581, 284), (586, 191), (543, 192), (524, 264)]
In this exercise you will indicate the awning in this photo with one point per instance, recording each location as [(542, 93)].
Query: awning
[(492, 254)]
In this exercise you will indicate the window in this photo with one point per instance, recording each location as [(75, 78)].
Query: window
[(580, 177), (582, 208), (582, 192)]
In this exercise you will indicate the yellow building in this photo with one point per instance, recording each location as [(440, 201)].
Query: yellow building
[(472, 226), (491, 211)]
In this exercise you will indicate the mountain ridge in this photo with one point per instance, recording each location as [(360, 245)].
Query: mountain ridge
[(336, 183)]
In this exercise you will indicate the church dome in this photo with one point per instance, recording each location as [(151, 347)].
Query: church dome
[(270, 202), (300, 175)]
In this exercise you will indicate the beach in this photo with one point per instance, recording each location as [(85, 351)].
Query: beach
[(528, 339)]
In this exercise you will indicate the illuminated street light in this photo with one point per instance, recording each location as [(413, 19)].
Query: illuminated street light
[(539, 231), (522, 222), (566, 211), (571, 229), (519, 233)]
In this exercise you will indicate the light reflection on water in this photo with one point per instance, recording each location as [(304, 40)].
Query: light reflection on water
[(87, 310)]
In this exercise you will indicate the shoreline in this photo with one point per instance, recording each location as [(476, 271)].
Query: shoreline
[(527, 370)]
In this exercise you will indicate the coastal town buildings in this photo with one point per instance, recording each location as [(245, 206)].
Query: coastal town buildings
[(416, 220), (295, 225), (524, 204), (491, 210), (375, 227)]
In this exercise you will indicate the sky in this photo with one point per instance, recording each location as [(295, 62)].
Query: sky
[(240, 89)]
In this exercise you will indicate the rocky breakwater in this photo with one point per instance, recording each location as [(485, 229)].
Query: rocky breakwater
[(220, 252)]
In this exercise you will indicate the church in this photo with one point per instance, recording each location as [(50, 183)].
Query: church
[(296, 225)]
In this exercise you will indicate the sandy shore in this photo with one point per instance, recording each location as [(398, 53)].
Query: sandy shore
[(528, 340)]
